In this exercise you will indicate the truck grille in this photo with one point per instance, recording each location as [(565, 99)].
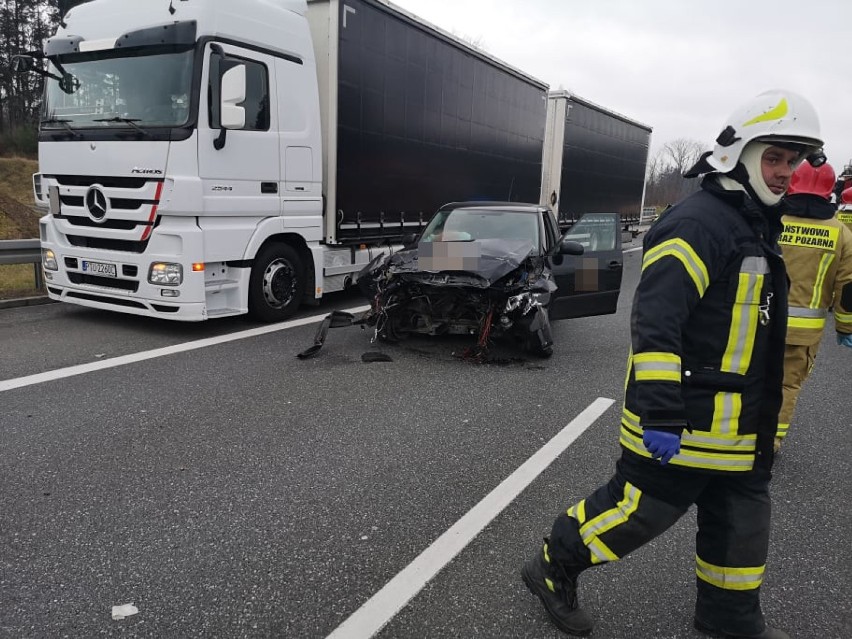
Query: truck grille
[(127, 246), (117, 213)]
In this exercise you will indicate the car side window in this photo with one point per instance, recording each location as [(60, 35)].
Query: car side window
[(596, 231)]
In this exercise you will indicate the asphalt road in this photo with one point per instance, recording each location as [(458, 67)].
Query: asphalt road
[(236, 491)]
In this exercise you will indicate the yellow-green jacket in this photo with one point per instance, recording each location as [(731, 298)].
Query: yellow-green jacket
[(817, 251), (845, 216)]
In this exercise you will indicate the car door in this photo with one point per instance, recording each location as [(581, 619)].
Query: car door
[(589, 284)]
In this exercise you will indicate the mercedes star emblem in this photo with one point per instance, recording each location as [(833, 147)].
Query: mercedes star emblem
[(96, 202)]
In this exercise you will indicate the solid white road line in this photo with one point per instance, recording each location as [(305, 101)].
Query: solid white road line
[(631, 250), (383, 606), (80, 369)]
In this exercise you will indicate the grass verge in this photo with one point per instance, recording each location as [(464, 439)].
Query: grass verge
[(18, 221), (18, 280)]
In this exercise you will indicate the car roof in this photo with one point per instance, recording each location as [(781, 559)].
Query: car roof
[(522, 207)]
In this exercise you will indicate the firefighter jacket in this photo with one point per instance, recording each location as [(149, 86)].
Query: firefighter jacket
[(817, 250), (707, 333), (845, 216)]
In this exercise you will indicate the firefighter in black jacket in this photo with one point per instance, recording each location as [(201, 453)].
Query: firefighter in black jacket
[(703, 383)]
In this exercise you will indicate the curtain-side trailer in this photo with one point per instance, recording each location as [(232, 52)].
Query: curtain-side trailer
[(594, 161)]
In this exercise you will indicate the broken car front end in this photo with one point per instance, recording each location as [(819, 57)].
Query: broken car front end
[(482, 288)]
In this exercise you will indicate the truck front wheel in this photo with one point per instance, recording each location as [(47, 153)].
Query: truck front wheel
[(277, 283)]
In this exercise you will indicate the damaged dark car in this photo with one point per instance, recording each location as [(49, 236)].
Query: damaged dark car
[(492, 269)]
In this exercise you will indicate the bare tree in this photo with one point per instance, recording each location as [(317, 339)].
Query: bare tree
[(665, 182), (682, 153), (24, 26)]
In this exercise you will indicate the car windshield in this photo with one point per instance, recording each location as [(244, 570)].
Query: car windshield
[(147, 87), (464, 225)]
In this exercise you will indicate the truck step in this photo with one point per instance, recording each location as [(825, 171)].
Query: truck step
[(223, 312), (221, 284)]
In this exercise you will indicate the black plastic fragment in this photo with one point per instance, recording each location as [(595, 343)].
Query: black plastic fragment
[(335, 319), (375, 356)]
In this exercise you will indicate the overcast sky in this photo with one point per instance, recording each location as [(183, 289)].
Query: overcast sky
[(679, 66)]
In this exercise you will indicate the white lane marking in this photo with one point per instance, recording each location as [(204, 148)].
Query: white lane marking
[(80, 369), (638, 248), (383, 606)]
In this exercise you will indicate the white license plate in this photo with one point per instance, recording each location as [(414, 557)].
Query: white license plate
[(99, 268)]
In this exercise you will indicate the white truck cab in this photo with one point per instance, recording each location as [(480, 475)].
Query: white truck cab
[(179, 141)]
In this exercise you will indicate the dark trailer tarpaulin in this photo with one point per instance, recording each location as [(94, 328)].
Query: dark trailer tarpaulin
[(425, 119), (596, 161)]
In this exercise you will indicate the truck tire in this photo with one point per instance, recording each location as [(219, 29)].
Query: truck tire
[(276, 284)]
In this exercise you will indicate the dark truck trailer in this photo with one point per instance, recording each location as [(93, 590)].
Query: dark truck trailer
[(413, 118), (594, 161)]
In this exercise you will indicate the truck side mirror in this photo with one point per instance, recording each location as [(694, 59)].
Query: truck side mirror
[(570, 247), (232, 93)]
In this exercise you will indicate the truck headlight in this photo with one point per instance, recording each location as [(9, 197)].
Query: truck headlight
[(48, 260), (165, 274)]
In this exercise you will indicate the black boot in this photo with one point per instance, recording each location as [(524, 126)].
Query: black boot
[(768, 633), (557, 590)]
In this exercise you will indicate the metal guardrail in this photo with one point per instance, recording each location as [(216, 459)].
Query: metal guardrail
[(23, 252)]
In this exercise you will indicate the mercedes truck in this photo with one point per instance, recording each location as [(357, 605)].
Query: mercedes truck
[(206, 158)]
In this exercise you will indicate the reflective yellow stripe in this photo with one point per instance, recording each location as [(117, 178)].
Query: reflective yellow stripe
[(631, 418), (738, 351), (729, 578), (629, 369), (656, 367), (802, 311), (699, 449), (824, 262), (782, 430), (727, 408), (600, 552), (845, 318), (811, 323), (578, 511), (775, 113), (607, 520), (716, 444), (681, 250)]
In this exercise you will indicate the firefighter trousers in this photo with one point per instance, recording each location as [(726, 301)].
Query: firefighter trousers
[(798, 363), (644, 499)]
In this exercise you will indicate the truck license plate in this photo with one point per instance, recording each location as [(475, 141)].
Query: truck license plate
[(99, 268)]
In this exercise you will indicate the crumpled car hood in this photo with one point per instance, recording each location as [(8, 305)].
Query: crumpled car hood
[(494, 260)]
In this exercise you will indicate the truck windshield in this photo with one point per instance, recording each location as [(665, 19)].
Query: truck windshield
[(145, 87)]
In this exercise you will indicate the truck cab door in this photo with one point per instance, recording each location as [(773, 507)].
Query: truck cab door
[(589, 284), (239, 167)]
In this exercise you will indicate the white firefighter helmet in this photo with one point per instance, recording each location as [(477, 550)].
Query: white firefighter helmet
[(776, 117)]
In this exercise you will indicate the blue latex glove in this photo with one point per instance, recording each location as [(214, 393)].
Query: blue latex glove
[(844, 340), (662, 445)]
